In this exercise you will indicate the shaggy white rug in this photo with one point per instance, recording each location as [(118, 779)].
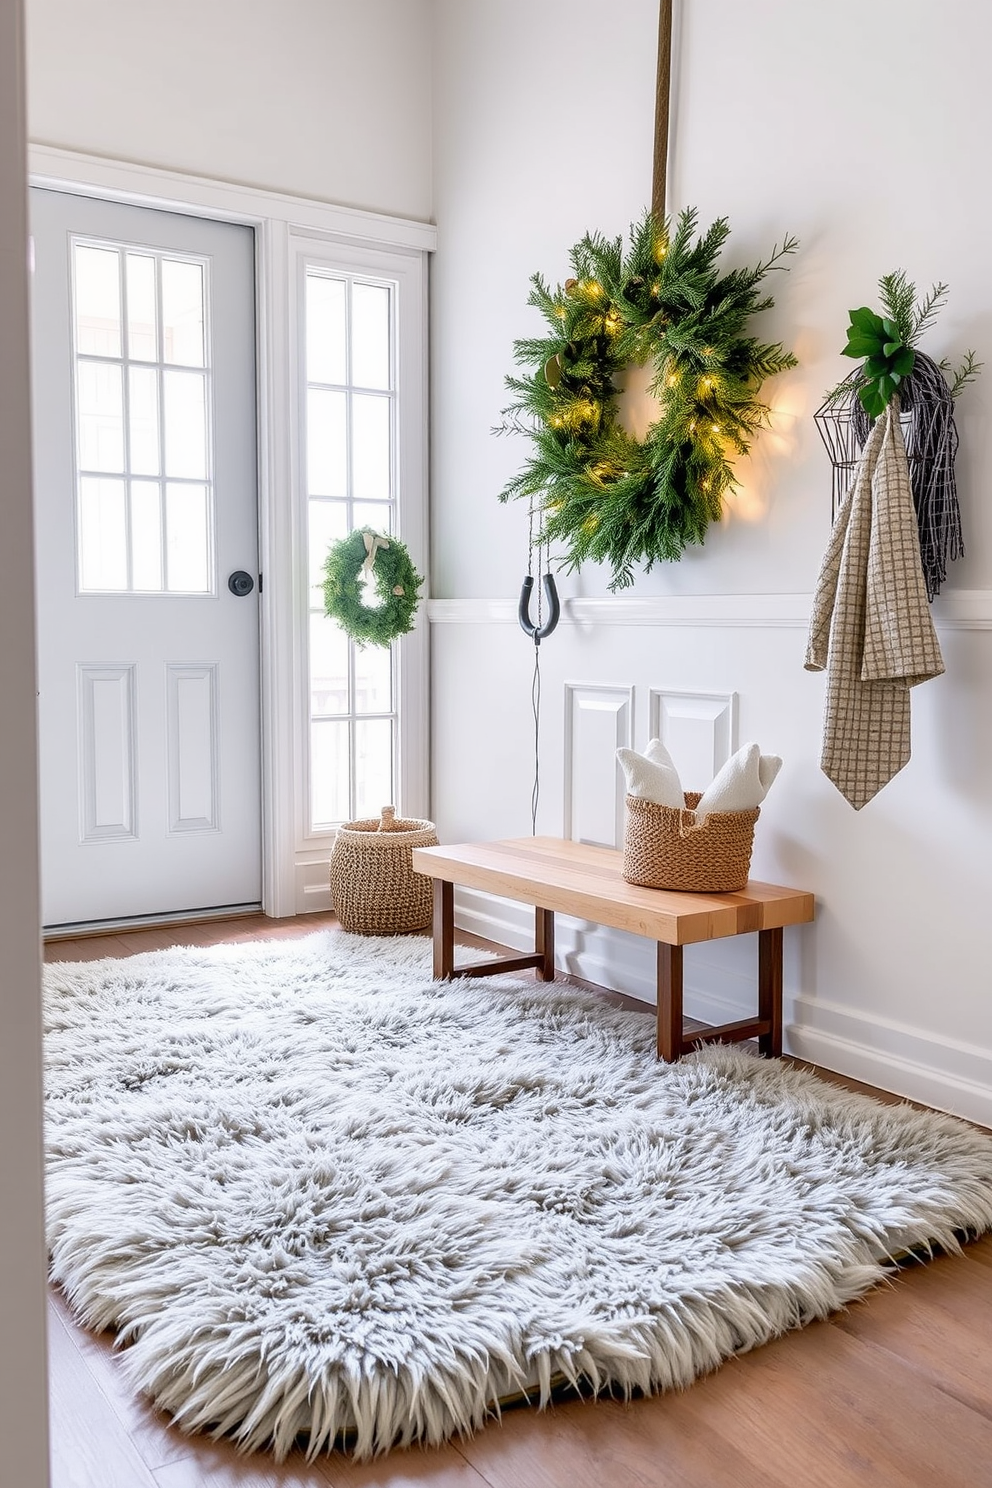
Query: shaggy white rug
[(315, 1192)]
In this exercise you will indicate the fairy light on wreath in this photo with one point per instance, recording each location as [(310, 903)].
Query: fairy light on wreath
[(367, 558), (601, 494)]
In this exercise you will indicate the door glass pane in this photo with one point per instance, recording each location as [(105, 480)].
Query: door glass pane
[(138, 417), (327, 449), (370, 336), (373, 679), (328, 523), (182, 313), (97, 292), (187, 539), (328, 667), (185, 407), (142, 317), (102, 534), (146, 536), (370, 448), (326, 329), (101, 417), (373, 766), (143, 420), (329, 772)]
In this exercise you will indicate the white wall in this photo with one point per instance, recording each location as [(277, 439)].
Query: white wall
[(863, 129), (23, 1413), (322, 98)]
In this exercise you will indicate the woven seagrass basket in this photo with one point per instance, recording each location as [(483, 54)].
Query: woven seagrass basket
[(374, 889), (666, 849)]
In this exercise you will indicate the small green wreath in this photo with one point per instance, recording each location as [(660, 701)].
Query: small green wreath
[(604, 495), (397, 585)]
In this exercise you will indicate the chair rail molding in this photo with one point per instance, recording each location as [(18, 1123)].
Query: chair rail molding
[(956, 609)]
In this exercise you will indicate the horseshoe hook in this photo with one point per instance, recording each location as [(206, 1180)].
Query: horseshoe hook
[(539, 632)]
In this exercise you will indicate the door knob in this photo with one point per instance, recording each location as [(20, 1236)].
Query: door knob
[(240, 583)]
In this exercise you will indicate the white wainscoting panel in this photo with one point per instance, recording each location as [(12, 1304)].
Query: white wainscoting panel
[(699, 729), (107, 765), (598, 721), (191, 713)]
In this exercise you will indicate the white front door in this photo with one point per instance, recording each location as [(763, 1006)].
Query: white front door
[(146, 511)]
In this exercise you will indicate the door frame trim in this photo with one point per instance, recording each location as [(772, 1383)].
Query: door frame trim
[(277, 219)]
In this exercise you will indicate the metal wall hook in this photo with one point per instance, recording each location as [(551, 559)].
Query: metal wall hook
[(538, 633)]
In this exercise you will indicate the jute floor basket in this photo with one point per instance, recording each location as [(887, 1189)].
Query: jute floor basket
[(666, 849), (374, 889)]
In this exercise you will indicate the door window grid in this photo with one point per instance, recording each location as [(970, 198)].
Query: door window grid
[(350, 450), (141, 348)]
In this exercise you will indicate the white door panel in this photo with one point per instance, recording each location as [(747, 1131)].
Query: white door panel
[(148, 663)]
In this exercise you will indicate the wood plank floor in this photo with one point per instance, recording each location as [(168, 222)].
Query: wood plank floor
[(896, 1392)]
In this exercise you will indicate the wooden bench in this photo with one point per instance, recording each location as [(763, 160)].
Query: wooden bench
[(575, 879)]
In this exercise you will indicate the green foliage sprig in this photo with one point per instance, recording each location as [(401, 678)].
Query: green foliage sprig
[(603, 495), (397, 584), (889, 359), (887, 342)]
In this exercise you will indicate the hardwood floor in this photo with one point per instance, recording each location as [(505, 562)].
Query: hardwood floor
[(896, 1392)]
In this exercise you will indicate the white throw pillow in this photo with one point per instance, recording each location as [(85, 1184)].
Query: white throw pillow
[(742, 784), (652, 776)]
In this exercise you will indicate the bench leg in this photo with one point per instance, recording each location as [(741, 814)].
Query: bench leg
[(669, 1001), (770, 990), (544, 943), (444, 929)]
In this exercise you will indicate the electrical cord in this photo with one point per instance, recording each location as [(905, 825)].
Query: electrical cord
[(535, 700)]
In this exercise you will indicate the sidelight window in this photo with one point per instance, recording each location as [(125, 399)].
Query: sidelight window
[(350, 472)]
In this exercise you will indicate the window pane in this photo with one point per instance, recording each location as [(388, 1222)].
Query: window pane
[(370, 448), (102, 534), (370, 336), (327, 450), (146, 536), (328, 667), (375, 514), (328, 522), (187, 539), (182, 313), (101, 417), (326, 329), (98, 301), (328, 773), (141, 312), (185, 400), (373, 766), (373, 679), (143, 420)]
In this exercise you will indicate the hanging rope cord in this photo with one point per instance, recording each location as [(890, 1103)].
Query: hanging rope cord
[(535, 686), (544, 579)]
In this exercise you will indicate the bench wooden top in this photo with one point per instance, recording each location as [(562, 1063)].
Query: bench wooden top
[(576, 879)]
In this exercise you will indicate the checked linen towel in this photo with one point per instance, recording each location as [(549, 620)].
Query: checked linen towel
[(871, 626)]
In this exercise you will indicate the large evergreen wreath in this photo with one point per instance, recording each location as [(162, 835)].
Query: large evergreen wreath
[(601, 493), (397, 583)]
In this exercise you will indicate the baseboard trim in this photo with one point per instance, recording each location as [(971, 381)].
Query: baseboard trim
[(943, 1073), (916, 1082)]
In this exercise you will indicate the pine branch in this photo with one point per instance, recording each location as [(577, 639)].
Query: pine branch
[(967, 372), (924, 317), (898, 299)]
